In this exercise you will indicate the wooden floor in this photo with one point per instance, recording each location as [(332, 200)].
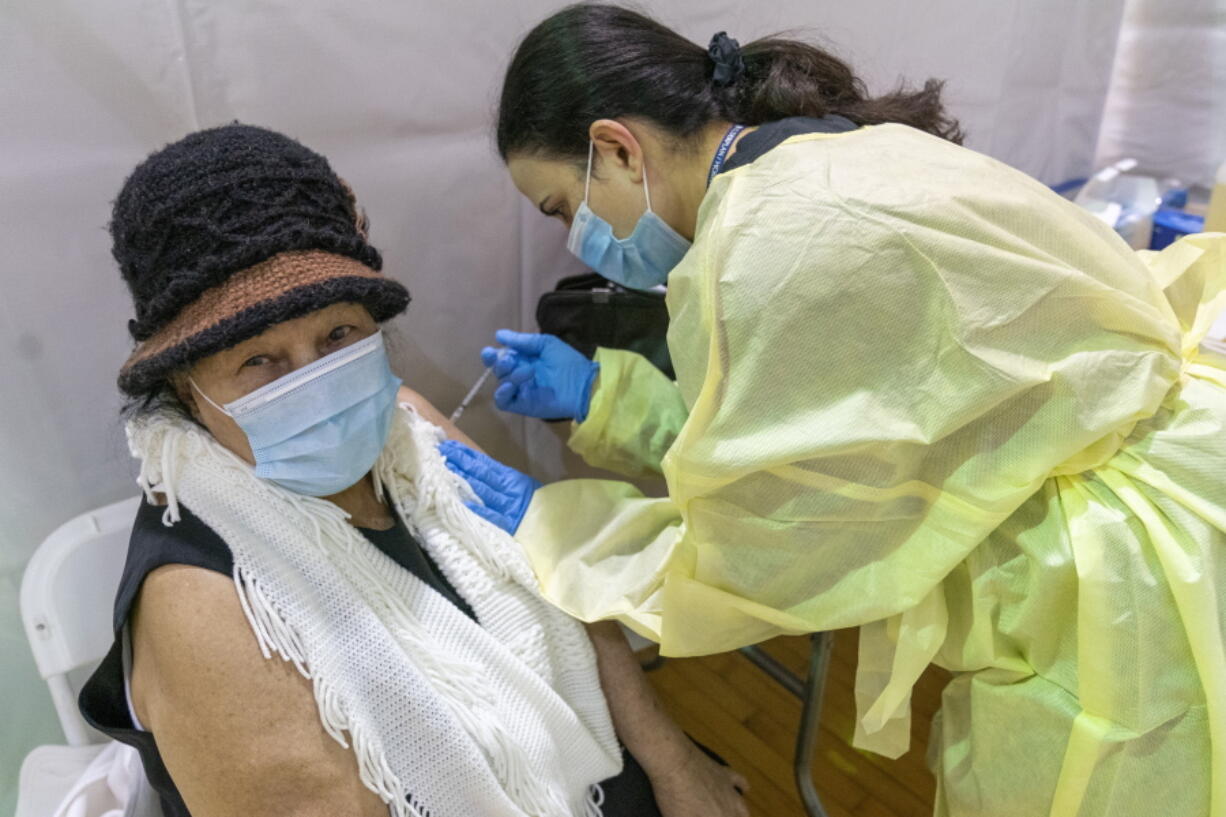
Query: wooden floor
[(727, 703)]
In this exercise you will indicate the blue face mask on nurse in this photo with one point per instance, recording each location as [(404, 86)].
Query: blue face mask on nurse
[(641, 260), (630, 206)]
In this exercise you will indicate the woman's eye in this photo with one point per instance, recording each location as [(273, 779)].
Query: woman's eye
[(258, 360), (339, 333)]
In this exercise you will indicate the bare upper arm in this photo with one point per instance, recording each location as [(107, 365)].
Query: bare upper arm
[(427, 410), (239, 734)]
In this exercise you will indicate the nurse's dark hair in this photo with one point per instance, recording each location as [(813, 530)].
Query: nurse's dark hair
[(595, 61)]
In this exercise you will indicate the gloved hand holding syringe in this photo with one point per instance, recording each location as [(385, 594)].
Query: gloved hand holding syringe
[(539, 376)]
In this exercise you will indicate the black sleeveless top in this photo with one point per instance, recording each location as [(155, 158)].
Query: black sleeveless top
[(103, 700)]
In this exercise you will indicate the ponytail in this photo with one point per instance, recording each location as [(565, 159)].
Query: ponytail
[(790, 78), (595, 61)]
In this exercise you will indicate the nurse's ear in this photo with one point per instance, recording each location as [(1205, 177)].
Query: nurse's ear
[(617, 149)]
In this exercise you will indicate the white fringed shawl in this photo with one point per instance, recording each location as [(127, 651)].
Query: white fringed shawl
[(446, 718)]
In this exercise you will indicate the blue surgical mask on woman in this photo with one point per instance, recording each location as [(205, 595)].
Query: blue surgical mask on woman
[(640, 261), (319, 429)]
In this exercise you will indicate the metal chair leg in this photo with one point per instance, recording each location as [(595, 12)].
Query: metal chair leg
[(810, 693), (810, 721)]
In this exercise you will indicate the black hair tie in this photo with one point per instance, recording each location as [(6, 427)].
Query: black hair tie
[(725, 52)]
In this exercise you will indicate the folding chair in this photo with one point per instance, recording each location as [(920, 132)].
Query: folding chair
[(67, 593), (809, 691)]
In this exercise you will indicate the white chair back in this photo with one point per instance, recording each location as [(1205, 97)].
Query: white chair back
[(67, 596)]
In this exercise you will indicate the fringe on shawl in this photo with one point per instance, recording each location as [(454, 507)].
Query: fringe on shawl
[(428, 493), (434, 497)]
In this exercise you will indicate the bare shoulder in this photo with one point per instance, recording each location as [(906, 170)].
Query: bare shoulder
[(239, 733), (184, 618), (426, 409)]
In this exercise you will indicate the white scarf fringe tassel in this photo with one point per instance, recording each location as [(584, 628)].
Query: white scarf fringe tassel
[(433, 498)]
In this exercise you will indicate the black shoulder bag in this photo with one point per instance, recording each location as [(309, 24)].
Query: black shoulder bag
[(588, 311)]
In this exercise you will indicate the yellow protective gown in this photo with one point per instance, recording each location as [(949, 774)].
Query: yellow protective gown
[(919, 393)]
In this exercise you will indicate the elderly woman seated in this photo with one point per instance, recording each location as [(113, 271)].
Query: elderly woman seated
[(310, 621)]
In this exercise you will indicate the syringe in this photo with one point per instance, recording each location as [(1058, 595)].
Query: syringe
[(468, 398)]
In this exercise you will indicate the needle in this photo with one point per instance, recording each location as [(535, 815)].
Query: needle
[(468, 398)]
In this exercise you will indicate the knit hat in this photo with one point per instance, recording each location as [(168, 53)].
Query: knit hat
[(231, 230)]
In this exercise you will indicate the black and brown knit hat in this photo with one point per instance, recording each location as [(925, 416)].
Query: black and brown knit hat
[(229, 231)]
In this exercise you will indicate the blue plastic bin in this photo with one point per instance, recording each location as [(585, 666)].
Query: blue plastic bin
[(1172, 225)]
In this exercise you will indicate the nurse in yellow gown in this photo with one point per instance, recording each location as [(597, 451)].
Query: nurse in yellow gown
[(916, 393)]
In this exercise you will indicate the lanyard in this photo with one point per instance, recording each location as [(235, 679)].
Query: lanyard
[(721, 154)]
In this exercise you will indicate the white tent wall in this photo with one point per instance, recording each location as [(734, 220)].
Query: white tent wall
[(1167, 103), (400, 97)]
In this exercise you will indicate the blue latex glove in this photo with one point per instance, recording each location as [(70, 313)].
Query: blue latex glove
[(503, 491), (540, 376)]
